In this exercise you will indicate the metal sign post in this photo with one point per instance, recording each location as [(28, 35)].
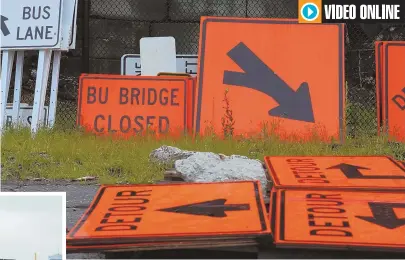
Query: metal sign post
[(69, 13), (17, 87), (6, 69)]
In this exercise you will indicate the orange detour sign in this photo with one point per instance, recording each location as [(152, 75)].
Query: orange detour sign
[(402, 163), (336, 172), (275, 73), (341, 219), (394, 89), (145, 213), (130, 105), (272, 209)]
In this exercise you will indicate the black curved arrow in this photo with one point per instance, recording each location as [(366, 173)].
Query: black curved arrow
[(384, 215), (257, 75), (353, 172), (4, 28), (213, 208)]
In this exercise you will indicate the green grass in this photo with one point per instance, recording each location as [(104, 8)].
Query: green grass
[(72, 154)]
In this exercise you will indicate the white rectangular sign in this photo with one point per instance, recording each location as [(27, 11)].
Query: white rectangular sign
[(25, 116), (69, 24), (158, 54), (31, 24), (131, 64), (72, 42)]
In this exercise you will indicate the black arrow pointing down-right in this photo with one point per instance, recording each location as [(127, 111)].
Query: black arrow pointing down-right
[(296, 105)]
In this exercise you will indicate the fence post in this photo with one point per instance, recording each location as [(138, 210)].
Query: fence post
[(86, 36)]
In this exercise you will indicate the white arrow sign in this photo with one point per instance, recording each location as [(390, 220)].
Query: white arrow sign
[(28, 24)]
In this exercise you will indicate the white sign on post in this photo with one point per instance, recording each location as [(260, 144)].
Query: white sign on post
[(158, 54), (72, 42), (69, 24), (131, 64), (44, 25), (28, 24), (25, 116)]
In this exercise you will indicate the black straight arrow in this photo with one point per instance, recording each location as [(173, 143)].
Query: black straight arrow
[(384, 215), (257, 75), (353, 172), (213, 208), (4, 28)]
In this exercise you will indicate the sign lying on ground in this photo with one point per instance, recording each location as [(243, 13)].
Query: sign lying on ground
[(390, 76), (128, 105), (282, 71), (31, 25), (193, 244), (402, 163), (25, 116), (336, 172), (143, 213), (340, 219), (131, 64)]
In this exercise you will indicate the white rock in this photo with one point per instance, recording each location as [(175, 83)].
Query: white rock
[(211, 167), (168, 154)]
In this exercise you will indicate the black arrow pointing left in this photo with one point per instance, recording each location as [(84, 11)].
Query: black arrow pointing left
[(384, 215), (213, 208), (353, 172), (4, 28)]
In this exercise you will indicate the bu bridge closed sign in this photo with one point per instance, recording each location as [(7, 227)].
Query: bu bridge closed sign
[(27, 24), (128, 105)]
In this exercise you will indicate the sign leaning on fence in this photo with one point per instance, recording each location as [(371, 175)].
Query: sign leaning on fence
[(128, 106), (43, 25), (292, 102), (185, 63), (390, 77)]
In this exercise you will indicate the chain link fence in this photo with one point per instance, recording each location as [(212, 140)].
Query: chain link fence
[(108, 29)]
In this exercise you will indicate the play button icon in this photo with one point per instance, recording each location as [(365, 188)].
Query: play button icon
[(309, 12)]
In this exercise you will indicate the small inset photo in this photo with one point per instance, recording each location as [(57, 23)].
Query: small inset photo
[(33, 225)]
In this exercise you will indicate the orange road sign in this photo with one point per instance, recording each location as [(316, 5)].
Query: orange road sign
[(390, 89), (394, 89), (271, 81), (402, 163), (145, 213), (272, 209), (341, 219), (131, 105), (336, 172)]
